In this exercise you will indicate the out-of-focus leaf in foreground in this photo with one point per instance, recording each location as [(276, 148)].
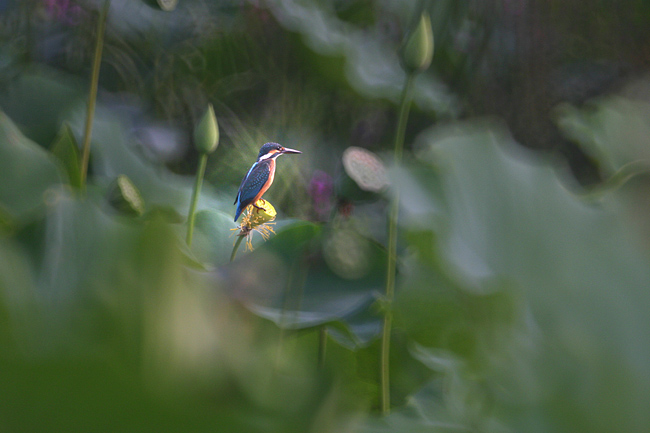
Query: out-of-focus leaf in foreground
[(26, 171), (104, 328), (38, 99), (614, 130), (577, 338)]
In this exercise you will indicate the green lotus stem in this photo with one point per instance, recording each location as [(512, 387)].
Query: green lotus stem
[(203, 159), (405, 105), (235, 247), (92, 97)]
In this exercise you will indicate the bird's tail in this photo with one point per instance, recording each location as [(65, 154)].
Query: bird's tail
[(238, 212)]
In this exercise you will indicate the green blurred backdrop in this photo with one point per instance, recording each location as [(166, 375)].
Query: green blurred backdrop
[(523, 283)]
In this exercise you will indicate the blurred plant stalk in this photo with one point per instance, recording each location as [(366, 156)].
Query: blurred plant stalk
[(206, 140), (416, 55), (92, 97)]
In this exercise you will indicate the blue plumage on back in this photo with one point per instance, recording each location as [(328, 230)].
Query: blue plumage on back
[(251, 185)]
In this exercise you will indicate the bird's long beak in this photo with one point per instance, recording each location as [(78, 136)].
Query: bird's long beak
[(287, 150)]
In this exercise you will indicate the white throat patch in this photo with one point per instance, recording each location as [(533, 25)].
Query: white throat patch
[(270, 155)]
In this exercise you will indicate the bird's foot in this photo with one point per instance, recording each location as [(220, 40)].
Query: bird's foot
[(257, 207)]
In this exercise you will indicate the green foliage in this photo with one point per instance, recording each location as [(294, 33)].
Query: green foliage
[(37, 99), (66, 149), (212, 237), (27, 170), (519, 305)]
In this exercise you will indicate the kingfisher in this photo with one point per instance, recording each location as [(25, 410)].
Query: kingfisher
[(260, 176)]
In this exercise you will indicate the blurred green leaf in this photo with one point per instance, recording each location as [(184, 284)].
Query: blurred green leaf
[(613, 130), (67, 150), (286, 280), (26, 171), (120, 314), (19, 316), (6, 222), (371, 63), (454, 401), (37, 99), (581, 273), (213, 239)]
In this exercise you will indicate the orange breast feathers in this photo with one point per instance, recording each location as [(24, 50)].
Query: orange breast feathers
[(268, 182)]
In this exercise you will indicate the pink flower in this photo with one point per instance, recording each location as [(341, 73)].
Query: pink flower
[(66, 11), (320, 189)]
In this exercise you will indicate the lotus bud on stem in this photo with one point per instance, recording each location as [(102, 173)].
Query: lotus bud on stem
[(416, 55), (206, 140)]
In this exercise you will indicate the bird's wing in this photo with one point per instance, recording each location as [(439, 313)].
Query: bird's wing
[(253, 182), (244, 180)]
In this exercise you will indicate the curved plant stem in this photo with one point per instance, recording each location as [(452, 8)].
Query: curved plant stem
[(235, 247), (92, 97), (200, 172), (405, 105)]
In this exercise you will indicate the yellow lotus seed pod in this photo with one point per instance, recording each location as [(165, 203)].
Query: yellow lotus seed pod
[(262, 213)]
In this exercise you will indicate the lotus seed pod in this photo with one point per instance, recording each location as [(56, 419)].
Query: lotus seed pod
[(125, 197), (262, 213), (365, 168), (417, 51), (167, 5), (206, 134)]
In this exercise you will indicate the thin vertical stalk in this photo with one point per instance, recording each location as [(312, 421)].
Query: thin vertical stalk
[(405, 105), (200, 172), (235, 247), (92, 97)]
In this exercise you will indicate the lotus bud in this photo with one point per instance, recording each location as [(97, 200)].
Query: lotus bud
[(206, 134), (417, 50)]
